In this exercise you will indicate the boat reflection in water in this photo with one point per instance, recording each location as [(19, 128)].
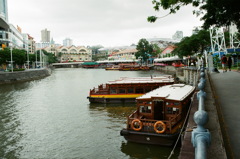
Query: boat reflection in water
[(134, 150)]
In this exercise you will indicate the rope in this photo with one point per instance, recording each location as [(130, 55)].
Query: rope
[(172, 152)]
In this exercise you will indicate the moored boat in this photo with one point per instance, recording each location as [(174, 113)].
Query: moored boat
[(125, 90), (159, 116), (112, 67)]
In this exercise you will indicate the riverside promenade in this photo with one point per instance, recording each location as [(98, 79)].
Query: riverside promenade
[(223, 108), (226, 88)]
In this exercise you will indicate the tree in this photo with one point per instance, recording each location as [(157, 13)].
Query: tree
[(18, 56), (214, 12), (196, 43), (145, 49), (156, 50)]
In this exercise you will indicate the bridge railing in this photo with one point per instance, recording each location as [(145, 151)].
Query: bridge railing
[(201, 137)]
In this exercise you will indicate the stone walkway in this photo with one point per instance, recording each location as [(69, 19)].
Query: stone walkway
[(226, 88)]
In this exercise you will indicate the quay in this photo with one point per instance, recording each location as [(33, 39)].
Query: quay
[(22, 76), (222, 105)]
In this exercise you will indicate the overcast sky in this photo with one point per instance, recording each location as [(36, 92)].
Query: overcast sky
[(93, 22)]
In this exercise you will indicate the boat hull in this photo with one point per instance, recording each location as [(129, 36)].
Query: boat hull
[(111, 100), (118, 98), (149, 138)]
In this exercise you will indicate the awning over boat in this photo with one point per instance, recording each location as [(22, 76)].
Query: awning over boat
[(90, 63), (175, 58), (171, 92), (117, 61)]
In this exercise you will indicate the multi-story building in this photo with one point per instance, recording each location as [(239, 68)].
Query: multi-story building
[(127, 54), (31, 45), (3, 10), (178, 35), (70, 54), (67, 42), (45, 36)]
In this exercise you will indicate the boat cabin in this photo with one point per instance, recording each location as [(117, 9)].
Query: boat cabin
[(127, 89), (161, 110)]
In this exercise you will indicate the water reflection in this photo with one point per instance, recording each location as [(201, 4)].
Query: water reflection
[(143, 151), (52, 118), (119, 111)]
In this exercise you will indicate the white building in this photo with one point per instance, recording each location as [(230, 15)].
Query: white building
[(45, 36), (70, 54), (178, 35), (67, 42), (4, 10)]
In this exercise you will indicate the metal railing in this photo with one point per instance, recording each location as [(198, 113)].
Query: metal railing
[(201, 137)]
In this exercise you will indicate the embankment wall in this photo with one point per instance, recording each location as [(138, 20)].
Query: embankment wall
[(21, 76)]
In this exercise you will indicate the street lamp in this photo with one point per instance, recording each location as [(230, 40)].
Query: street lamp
[(10, 44)]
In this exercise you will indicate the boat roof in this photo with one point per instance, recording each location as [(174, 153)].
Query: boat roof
[(142, 80), (172, 92)]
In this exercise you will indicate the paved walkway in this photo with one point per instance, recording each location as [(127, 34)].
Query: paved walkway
[(226, 88)]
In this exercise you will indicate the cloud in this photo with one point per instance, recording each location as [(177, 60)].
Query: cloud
[(91, 22)]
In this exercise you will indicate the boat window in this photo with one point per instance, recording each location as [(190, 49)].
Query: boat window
[(122, 90), (175, 110), (169, 110), (113, 91), (139, 90), (130, 90), (145, 109), (176, 103), (172, 110), (148, 89)]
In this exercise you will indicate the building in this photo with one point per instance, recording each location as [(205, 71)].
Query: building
[(67, 42), (45, 36), (70, 54), (3, 10), (31, 45), (127, 54), (178, 35)]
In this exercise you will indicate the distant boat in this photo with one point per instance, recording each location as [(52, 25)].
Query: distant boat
[(133, 68), (159, 116), (90, 65), (112, 67), (125, 90)]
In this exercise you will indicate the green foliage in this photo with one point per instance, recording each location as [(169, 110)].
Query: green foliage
[(145, 49), (216, 61), (18, 56), (196, 43), (156, 50), (214, 12)]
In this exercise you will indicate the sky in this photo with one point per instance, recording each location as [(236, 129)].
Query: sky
[(98, 22)]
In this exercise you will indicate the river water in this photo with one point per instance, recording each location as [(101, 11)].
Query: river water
[(52, 118)]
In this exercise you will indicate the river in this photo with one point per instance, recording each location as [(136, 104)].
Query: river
[(52, 118)]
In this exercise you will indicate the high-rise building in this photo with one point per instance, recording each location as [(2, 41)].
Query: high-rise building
[(45, 36), (178, 35), (4, 10), (67, 42)]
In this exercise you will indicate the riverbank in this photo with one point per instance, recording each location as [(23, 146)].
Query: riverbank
[(22, 76)]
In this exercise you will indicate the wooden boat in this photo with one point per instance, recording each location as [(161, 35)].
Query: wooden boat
[(112, 67), (125, 90), (159, 116), (133, 68)]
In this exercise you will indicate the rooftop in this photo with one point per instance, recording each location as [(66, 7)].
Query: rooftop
[(172, 92), (128, 80)]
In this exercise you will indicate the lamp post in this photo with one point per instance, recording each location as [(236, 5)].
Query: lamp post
[(10, 44), (27, 56)]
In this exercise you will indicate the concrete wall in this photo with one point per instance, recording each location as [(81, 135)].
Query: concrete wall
[(188, 75), (21, 76)]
